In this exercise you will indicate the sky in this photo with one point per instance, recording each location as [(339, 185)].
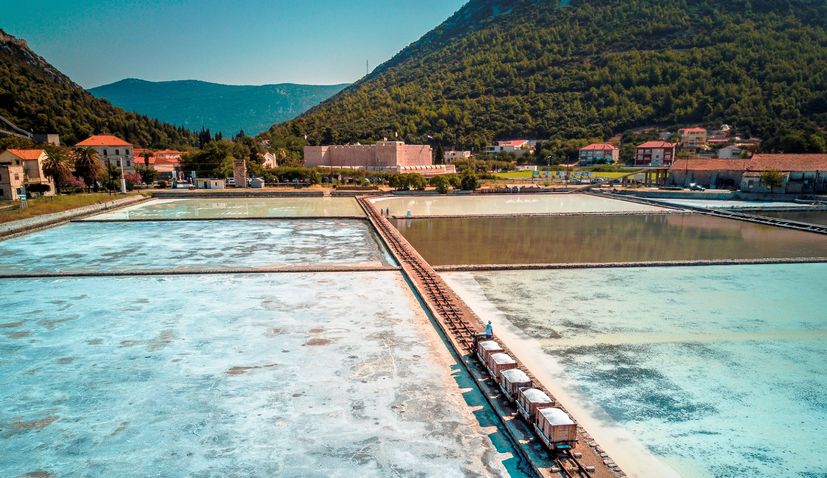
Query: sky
[(242, 42)]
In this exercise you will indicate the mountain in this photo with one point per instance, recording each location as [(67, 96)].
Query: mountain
[(37, 97), (501, 69), (224, 108)]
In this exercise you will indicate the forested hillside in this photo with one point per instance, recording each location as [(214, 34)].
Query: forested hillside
[(39, 98), (528, 68), (219, 108)]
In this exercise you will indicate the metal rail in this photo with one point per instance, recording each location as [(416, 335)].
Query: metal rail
[(458, 321)]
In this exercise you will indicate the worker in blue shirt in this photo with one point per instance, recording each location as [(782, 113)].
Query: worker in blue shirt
[(489, 330)]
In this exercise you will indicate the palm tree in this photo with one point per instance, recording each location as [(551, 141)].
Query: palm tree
[(56, 166), (88, 166)]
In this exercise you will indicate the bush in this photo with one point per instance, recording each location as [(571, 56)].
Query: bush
[(441, 184), (470, 182), (407, 181), (132, 180)]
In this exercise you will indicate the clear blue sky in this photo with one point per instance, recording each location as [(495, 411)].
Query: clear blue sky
[(235, 41)]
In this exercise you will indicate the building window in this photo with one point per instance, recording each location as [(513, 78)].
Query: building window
[(117, 152), (126, 152), (105, 153), (128, 163)]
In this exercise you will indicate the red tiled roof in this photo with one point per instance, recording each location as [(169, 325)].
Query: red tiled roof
[(515, 143), (790, 162), (103, 140), (27, 154), (656, 145), (169, 152), (599, 147), (759, 162)]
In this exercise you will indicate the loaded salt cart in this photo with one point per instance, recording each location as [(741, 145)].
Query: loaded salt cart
[(511, 381), (557, 430)]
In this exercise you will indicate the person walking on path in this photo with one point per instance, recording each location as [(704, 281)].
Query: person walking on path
[(489, 330)]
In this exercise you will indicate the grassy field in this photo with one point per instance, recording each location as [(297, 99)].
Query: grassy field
[(37, 207), (528, 174)]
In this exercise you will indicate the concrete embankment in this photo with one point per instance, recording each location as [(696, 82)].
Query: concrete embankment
[(606, 265), (21, 226)]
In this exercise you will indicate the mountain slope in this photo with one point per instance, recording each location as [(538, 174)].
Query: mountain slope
[(37, 97), (224, 108), (531, 68)]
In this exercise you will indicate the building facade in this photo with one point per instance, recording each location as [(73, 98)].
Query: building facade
[(693, 138), (802, 173), (451, 156), (112, 151), (730, 152), (517, 147), (31, 162), (655, 153), (599, 153), (389, 156), (166, 162), (11, 182)]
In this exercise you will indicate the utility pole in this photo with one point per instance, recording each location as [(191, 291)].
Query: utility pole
[(123, 181), (367, 67)]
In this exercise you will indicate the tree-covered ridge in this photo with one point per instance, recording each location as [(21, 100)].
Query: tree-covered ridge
[(594, 68), (39, 98)]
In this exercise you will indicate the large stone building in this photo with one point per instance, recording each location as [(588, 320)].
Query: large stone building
[(802, 173), (389, 156), (30, 162), (112, 150)]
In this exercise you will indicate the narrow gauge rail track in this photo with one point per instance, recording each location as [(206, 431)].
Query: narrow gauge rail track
[(462, 325)]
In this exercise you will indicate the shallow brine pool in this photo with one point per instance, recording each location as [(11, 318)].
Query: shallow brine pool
[(192, 246), (507, 204), (230, 375), (716, 371), (597, 238), (230, 208), (730, 204)]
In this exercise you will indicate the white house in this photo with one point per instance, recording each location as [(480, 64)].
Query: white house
[(112, 151), (451, 156)]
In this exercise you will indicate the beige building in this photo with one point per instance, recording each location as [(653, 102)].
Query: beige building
[(451, 156), (389, 156), (11, 182), (693, 138), (112, 150), (31, 162)]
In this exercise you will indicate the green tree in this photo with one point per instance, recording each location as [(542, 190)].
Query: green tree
[(441, 184), (439, 154), (88, 166), (56, 165), (773, 179), (470, 182)]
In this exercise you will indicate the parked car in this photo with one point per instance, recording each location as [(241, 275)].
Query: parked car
[(230, 182), (696, 187)]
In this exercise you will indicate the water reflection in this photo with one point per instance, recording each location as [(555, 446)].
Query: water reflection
[(812, 217), (595, 238)]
